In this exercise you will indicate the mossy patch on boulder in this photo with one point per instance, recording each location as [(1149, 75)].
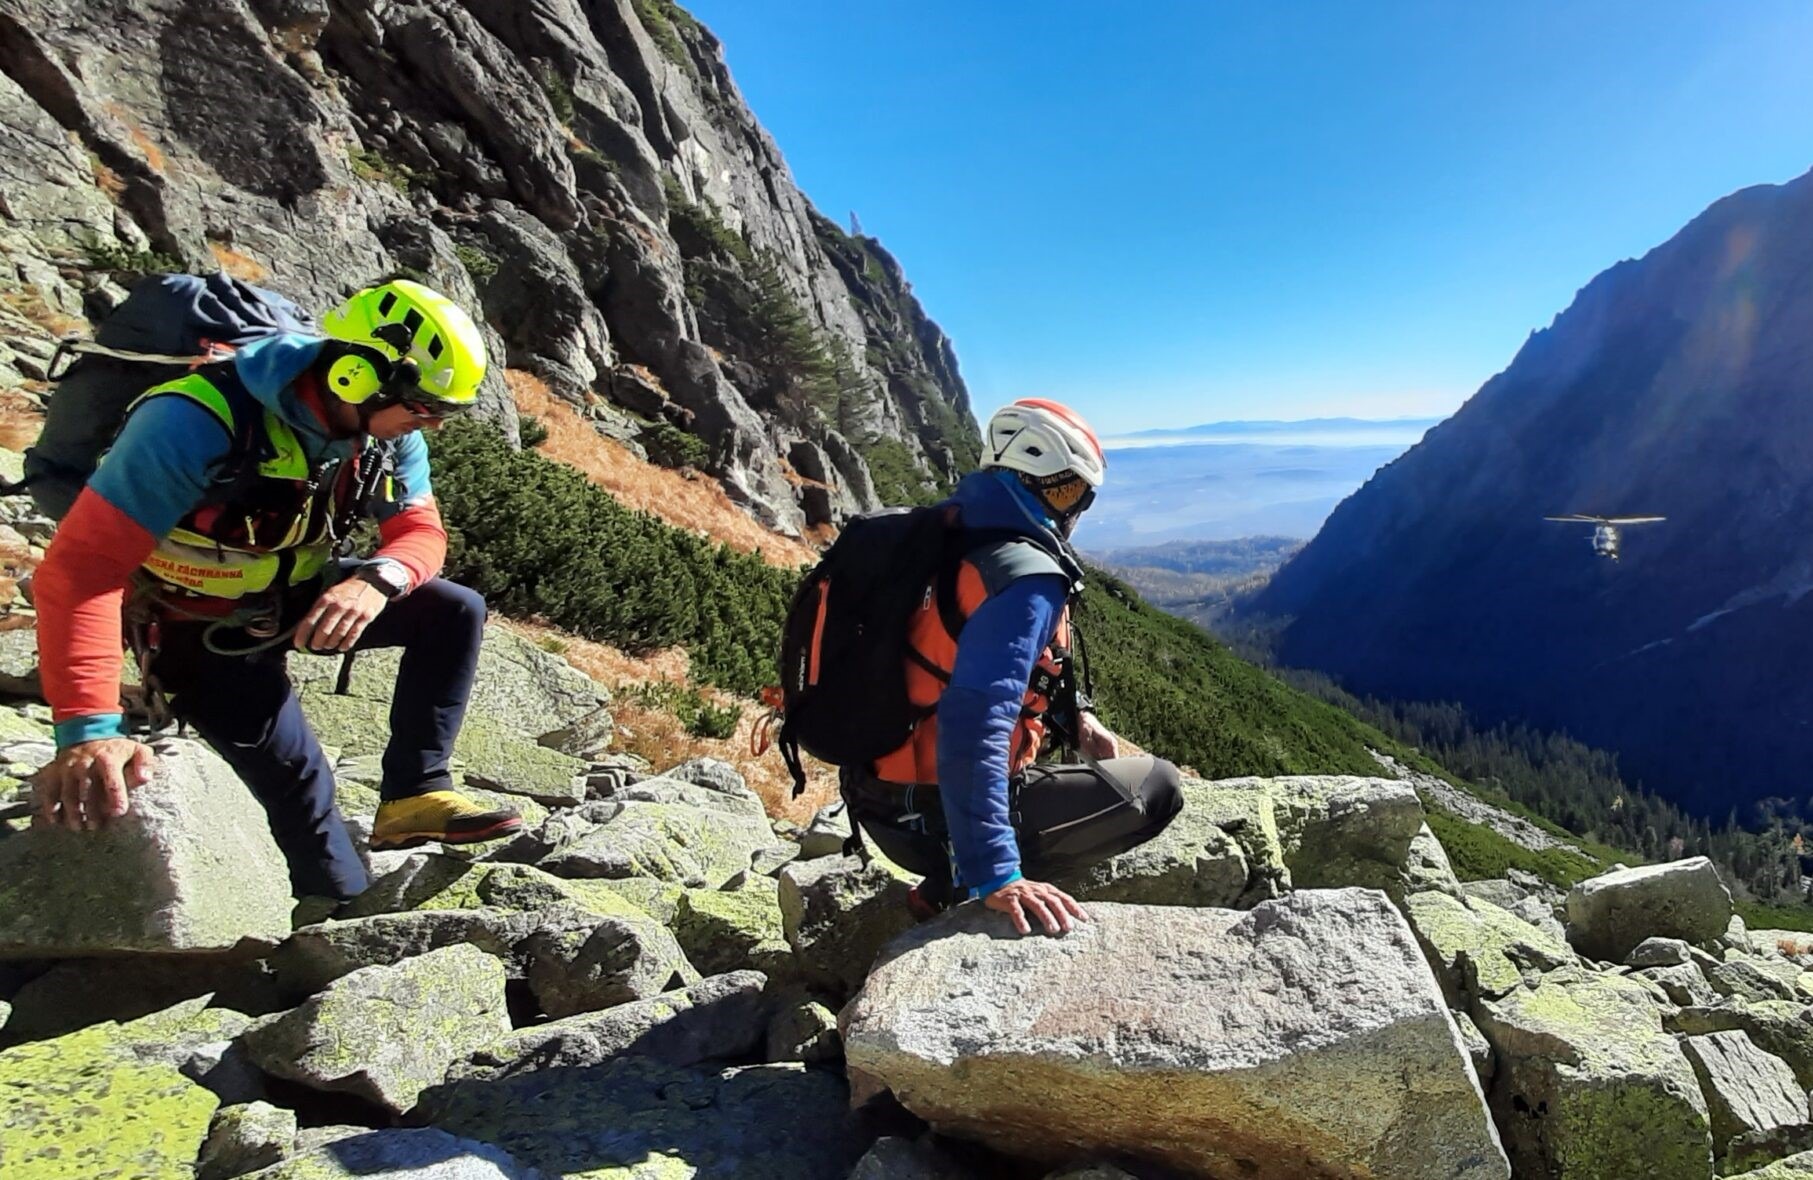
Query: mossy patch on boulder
[(434, 881), (732, 929), (1588, 1081), (82, 1106)]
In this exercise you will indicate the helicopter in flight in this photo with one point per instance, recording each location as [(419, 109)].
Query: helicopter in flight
[(1606, 536)]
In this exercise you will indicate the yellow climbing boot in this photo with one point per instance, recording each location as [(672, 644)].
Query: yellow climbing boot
[(446, 816)]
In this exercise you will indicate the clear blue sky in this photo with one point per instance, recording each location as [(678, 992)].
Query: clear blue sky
[(1174, 212)]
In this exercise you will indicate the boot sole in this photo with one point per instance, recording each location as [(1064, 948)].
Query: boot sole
[(474, 836)]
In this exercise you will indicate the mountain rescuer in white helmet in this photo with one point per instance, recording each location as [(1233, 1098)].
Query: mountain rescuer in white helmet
[(964, 801), (213, 521)]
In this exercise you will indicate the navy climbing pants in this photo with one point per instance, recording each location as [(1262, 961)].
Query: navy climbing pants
[(245, 707), (1065, 817)]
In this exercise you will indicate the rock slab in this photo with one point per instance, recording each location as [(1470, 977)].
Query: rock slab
[(1305, 1037), (387, 1033), (1746, 1089), (1611, 915), (635, 1118), (1587, 1081), (191, 867), (420, 1154)]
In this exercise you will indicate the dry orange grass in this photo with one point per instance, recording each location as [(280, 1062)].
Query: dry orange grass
[(661, 737), (240, 266), (147, 146), (109, 182), (30, 303), (20, 420), (689, 501)]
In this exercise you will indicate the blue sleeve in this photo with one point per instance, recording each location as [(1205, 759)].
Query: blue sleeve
[(160, 466), (413, 482), (976, 718)]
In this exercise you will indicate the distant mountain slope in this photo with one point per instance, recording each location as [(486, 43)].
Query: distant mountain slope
[(1675, 384), (1268, 426)]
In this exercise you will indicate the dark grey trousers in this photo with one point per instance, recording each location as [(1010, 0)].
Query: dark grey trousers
[(1066, 817)]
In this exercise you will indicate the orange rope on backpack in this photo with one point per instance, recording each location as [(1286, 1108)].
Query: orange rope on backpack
[(761, 736)]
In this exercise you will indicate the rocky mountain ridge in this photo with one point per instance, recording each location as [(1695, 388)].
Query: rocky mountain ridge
[(583, 171), (1674, 385)]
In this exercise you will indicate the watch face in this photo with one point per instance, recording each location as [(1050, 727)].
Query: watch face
[(384, 578)]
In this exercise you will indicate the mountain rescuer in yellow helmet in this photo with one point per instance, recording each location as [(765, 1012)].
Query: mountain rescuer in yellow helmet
[(208, 538)]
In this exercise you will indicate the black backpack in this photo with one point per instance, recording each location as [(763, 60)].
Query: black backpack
[(843, 695), (167, 326)]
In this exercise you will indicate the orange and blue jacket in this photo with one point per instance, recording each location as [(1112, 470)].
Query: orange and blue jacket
[(989, 722), (145, 508)]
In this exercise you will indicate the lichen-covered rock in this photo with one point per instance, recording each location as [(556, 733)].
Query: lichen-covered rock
[(1304, 1037), (493, 756), (806, 1031), (191, 867), (1683, 984), (1342, 830), (1588, 1081), (1795, 1167), (735, 929), (387, 1033), (435, 881), (588, 738), (1192, 862), (1755, 979), (1781, 1027), (716, 1019), (827, 833), (1659, 952), (1746, 1089), (715, 775), (315, 956), (1477, 949), (683, 793), (633, 1117), (517, 683), (245, 1138), (1610, 914), (615, 961), (668, 842), (1427, 866), (198, 1041), (421, 1153), (837, 914), (83, 1106), (1756, 1149), (1479, 1050)]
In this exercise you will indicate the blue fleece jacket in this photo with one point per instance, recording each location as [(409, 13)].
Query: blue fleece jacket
[(977, 713)]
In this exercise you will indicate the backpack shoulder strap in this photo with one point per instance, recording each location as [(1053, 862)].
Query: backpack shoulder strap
[(1003, 562), (239, 413)]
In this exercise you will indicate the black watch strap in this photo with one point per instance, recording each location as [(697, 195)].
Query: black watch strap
[(390, 581)]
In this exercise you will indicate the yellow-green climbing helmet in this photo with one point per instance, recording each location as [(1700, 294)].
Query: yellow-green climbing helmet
[(405, 324)]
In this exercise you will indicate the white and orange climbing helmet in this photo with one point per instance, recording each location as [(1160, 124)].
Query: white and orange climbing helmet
[(1052, 449)]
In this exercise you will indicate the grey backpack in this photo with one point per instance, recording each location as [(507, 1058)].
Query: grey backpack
[(168, 325)]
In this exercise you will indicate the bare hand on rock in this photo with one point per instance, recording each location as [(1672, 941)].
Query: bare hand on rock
[(1056, 910), (1096, 739), (86, 785)]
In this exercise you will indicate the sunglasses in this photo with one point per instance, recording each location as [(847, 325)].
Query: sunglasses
[(431, 410)]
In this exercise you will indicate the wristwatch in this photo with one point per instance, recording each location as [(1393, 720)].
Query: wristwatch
[(391, 579)]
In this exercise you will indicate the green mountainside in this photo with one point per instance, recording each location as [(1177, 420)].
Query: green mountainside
[(536, 537)]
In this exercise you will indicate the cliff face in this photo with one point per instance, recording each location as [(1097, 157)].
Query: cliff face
[(1675, 384), (583, 170)]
